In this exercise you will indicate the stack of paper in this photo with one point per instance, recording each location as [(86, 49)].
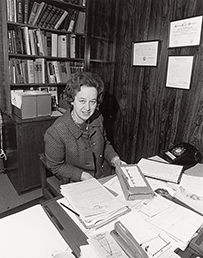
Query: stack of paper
[(93, 202)]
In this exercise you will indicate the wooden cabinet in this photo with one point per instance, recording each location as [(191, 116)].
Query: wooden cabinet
[(23, 141)]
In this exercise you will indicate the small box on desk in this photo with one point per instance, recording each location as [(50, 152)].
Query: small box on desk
[(133, 182), (31, 104)]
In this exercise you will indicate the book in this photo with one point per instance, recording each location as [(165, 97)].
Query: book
[(62, 46), (72, 46), (30, 69), (73, 21), (50, 72), (62, 18), (49, 16), (44, 16), (26, 40), (65, 71), (33, 12), (48, 42), (160, 170), (56, 18), (80, 23), (56, 71), (26, 11), (40, 43), (55, 14), (43, 11), (19, 11), (40, 70), (39, 10), (54, 44), (32, 42)]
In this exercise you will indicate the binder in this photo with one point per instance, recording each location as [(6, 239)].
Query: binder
[(133, 183)]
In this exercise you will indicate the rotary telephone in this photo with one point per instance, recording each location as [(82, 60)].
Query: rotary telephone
[(182, 154)]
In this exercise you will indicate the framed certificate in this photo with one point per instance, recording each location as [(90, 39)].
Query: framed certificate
[(185, 32), (145, 53), (179, 72)]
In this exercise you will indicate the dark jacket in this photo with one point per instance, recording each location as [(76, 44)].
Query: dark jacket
[(68, 154)]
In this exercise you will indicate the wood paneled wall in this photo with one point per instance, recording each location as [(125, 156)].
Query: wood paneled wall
[(151, 117)]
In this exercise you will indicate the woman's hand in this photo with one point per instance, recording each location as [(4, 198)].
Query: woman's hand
[(85, 176), (116, 161)]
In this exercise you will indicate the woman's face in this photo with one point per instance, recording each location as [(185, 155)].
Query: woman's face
[(84, 104)]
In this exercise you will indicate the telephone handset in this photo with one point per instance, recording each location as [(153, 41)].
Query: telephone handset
[(182, 154)]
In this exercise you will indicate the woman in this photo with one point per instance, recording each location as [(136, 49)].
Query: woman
[(76, 145)]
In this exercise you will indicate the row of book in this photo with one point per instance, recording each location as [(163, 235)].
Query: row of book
[(23, 40), (25, 71), (46, 15)]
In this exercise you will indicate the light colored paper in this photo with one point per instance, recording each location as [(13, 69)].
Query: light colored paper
[(30, 233)]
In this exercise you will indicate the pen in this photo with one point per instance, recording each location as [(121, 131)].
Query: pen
[(70, 209)]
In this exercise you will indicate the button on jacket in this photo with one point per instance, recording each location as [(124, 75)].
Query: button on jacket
[(69, 154)]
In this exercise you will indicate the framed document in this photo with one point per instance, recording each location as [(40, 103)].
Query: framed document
[(145, 53), (185, 32), (179, 72)]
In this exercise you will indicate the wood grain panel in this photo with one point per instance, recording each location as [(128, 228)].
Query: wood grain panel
[(151, 117)]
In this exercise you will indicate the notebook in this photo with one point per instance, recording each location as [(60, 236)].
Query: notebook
[(159, 170)]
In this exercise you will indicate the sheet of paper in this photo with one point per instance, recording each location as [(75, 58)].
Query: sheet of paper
[(105, 246), (194, 184), (30, 233), (177, 221)]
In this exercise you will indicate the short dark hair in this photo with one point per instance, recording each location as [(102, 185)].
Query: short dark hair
[(79, 79)]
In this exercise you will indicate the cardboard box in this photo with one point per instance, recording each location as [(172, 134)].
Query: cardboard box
[(31, 104), (43, 104)]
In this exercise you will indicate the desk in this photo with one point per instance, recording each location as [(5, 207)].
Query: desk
[(78, 238), (188, 253), (69, 231)]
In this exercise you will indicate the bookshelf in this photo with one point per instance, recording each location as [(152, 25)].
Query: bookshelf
[(43, 43), (46, 42)]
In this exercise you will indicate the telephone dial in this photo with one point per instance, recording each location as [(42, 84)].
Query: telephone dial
[(182, 154)]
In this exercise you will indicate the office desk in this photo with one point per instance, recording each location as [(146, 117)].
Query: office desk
[(75, 243)]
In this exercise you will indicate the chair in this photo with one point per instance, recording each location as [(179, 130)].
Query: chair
[(50, 184)]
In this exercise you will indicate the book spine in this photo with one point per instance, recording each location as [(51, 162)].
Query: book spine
[(62, 46), (65, 13), (26, 40), (45, 15), (73, 46), (48, 42), (55, 16), (72, 21), (50, 72), (46, 22), (26, 10), (33, 12), (56, 71), (39, 10), (30, 68), (8, 10), (40, 42), (32, 42), (54, 44), (19, 10)]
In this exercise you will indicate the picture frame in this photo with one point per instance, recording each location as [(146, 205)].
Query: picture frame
[(145, 53), (185, 32), (179, 72)]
